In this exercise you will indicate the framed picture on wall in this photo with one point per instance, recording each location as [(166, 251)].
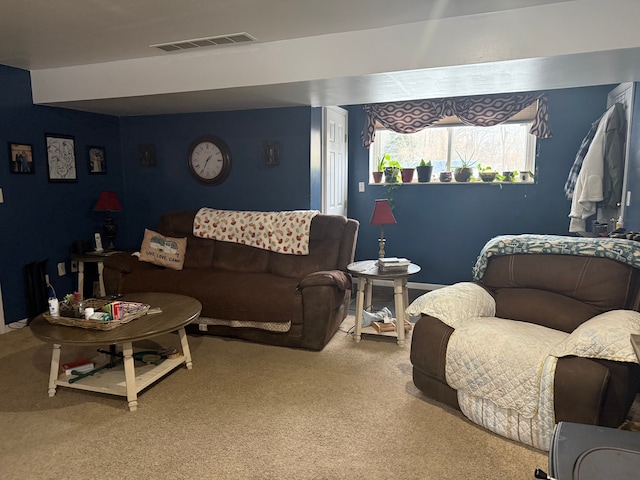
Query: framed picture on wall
[(21, 158), (147, 155), (97, 160), (61, 158)]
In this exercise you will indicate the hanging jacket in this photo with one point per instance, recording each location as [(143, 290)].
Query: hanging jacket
[(589, 188)]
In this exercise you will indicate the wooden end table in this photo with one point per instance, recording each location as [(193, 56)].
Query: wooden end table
[(124, 379), (367, 271)]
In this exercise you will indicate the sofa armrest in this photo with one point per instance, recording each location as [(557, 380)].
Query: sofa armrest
[(117, 267), (120, 262), (327, 278)]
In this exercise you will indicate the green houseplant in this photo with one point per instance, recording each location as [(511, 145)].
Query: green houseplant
[(425, 169), (465, 171), (487, 174), (392, 171), (380, 165)]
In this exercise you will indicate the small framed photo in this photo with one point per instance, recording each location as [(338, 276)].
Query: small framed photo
[(61, 158), (21, 158), (97, 160), (147, 155)]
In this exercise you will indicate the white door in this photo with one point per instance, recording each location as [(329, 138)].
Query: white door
[(335, 162)]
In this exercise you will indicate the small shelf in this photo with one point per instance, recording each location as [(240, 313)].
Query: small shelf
[(112, 381)]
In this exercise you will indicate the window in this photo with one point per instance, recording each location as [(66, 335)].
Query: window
[(505, 147)]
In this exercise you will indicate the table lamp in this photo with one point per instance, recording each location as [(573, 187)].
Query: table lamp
[(108, 202), (382, 215)]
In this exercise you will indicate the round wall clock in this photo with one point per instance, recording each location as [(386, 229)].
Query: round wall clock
[(209, 160)]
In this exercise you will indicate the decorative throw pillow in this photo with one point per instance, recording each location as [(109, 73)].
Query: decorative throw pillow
[(163, 251), (606, 336), (455, 303)]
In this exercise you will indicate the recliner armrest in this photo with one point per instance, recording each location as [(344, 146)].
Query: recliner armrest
[(327, 278)]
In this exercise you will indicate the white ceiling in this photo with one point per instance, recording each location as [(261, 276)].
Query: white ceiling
[(95, 55)]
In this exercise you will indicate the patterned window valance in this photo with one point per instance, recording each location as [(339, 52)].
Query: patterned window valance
[(479, 111)]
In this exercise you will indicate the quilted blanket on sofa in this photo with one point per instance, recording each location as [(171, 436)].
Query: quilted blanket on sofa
[(282, 232)]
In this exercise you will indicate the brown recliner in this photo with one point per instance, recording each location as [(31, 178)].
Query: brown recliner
[(560, 292)]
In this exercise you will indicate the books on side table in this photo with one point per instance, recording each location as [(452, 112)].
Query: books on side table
[(381, 327), (393, 265)]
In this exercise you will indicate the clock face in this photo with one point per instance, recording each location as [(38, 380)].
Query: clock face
[(209, 160)]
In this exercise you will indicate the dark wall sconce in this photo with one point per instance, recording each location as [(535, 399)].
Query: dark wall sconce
[(271, 153)]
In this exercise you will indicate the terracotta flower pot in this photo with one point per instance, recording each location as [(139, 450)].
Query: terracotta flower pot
[(377, 177), (407, 175)]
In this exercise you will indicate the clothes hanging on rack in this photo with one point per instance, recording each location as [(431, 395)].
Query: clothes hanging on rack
[(601, 172), (570, 184)]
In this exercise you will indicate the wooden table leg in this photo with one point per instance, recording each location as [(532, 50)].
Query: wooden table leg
[(359, 308), (81, 277), (53, 372), (399, 287), (184, 341), (130, 376), (101, 279)]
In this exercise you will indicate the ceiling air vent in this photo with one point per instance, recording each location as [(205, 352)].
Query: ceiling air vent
[(205, 42)]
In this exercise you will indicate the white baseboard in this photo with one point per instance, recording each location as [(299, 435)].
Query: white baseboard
[(13, 326)]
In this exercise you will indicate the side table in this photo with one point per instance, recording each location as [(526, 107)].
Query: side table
[(90, 258), (367, 271)]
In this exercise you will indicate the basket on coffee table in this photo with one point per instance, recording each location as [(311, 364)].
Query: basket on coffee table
[(132, 310)]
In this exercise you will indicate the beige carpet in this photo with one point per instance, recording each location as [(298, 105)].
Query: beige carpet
[(246, 411)]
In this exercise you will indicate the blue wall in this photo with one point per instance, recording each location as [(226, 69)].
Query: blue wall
[(440, 227), (40, 220), (250, 185)]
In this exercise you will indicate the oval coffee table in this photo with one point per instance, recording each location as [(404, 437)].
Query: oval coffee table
[(177, 312)]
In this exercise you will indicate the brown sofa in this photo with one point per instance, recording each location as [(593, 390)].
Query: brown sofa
[(560, 292), (250, 293)]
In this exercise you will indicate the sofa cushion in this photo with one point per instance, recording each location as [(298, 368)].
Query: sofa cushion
[(236, 257), (243, 296), (603, 283), (542, 307), (163, 251)]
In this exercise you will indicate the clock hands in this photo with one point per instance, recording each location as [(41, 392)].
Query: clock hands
[(205, 164)]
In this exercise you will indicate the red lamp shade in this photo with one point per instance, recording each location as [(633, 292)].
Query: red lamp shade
[(382, 214), (108, 202)]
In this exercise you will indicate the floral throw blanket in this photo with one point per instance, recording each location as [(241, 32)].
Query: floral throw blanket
[(282, 232), (622, 250)]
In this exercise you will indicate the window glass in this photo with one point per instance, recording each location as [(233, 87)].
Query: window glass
[(506, 147)]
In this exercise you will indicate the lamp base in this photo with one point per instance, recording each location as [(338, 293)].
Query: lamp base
[(110, 230), (381, 243)]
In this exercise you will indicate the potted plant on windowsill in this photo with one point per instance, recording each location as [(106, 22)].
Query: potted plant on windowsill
[(380, 164), (392, 171), (465, 171), (511, 176), (407, 174), (487, 174), (425, 169)]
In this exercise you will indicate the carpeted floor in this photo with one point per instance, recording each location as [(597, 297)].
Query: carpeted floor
[(246, 411)]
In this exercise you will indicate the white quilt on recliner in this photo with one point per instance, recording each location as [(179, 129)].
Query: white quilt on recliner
[(504, 370), (476, 361)]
